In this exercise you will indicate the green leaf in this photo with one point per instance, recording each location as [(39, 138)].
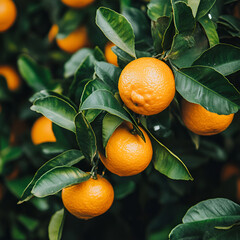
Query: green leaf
[(71, 66), (201, 220), (117, 29), (224, 58), (210, 30), (204, 7), (159, 29), (108, 73), (98, 54), (136, 16), (167, 163), (187, 47), (57, 110), (29, 223), (36, 76), (123, 189), (104, 100), (67, 158), (123, 57), (85, 137), (85, 70), (48, 93), (230, 21), (159, 8), (210, 89), (70, 21), (193, 4), (10, 153), (212, 208), (109, 125), (186, 23), (58, 178), (55, 226)]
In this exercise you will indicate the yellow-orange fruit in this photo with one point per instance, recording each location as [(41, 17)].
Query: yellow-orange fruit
[(147, 86), (77, 3), (42, 131), (74, 41), (110, 55), (52, 33), (88, 199), (127, 154), (228, 171), (203, 122), (8, 14), (11, 76)]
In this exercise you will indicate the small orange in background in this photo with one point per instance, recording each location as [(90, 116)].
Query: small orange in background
[(74, 41), (42, 131), (110, 55), (8, 14), (126, 153), (229, 170), (77, 3), (11, 76), (203, 122), (88, 199), (52, 33), (147, 86)]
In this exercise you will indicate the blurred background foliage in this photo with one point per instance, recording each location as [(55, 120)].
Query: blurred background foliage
[(146, 206)]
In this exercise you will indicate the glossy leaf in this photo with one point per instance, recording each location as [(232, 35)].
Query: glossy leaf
[(186, 23), (159, 8), (108, 73), (210, 30), (55, 226), (58, 178), (224, 58), (67, 158), (57, 110), (117, 29), (71, 66), (209, 219), (123, 57), (159, 29), (210, 89), (36, 76), (194, 4), (104, 100), (109, 125), (98, 54), (204, 7), (187, 47), (85, 137)]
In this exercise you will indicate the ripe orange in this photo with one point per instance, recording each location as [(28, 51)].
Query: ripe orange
[(88, 199), (202, 122), (110, 55), (42, 131), (77, 3), (52, 32), (74, 41), (8, 14), (146, 86), (228, 171), (11, 76), (127, 154)]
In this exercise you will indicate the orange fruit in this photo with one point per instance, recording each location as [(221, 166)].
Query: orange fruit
[(88, 199), (52, 32), (77, 3), (146, 86), (110, 55), (11, 76), (42, 131), (228, 171), (74, 41), (202, 122), (8, 14), (127, 154)]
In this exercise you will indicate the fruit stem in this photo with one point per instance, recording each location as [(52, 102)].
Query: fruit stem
[(94, 169)]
